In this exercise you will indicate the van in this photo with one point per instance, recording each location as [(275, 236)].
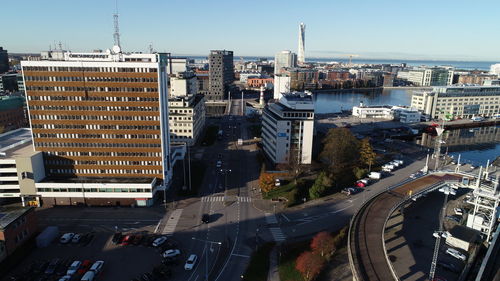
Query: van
[(88, 276)]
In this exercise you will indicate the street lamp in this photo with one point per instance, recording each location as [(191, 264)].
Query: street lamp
[(225, 172), (206, 253)]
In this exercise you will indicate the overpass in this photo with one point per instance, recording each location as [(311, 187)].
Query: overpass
[(366, 247)]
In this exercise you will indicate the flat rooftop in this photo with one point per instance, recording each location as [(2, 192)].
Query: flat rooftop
[(16, 143), (10, 214)]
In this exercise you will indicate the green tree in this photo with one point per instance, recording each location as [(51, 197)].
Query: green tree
[(320, 186), (366, 154), (340, 153)]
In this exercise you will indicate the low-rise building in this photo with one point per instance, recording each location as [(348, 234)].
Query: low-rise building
[(17, 225), (12, 113), (462, 237), (260, 82), (186, 118), (288, 128), (379, 111), (425, 77), (475, 78), (458, 101)]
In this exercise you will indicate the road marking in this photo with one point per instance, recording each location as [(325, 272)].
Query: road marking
[(238, 255), (271, 218), (157, 226), (340, 210), (277, 234), (244, 199), (172, 222), (285, 217), (212, 199)]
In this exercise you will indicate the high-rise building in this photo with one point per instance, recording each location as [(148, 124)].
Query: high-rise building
[(284, 59), (301, 58), (101, 121), (221, 74), (4, 60), (288, 128)]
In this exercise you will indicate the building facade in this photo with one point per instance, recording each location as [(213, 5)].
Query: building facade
[(284, 59), (17, 226), (4, 60), (12, 113), (221, 74), (301, 50), (428, 76), (288, 129), (101, 121), (458, 101), (260, 82), (476, 78), (186, 118), (281, 85)]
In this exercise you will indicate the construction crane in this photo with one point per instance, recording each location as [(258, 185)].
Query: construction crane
[(350, 57)]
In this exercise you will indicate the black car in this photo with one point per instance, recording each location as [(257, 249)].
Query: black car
[(448, 266), (51, 268), (117, 238), (205, 218)]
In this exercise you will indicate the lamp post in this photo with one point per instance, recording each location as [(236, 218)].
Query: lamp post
[(225, 172), (446, 190), (206, 253)]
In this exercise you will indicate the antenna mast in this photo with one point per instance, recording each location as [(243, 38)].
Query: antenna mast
[(116, 35)]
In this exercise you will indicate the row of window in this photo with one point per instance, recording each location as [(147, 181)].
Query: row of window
[(93, 127), (62, 161), (96, 145), (94, 108), (90, 89), (91, 79), (54, 189), (93, 117), (100, 153), (88, 69), (97, 136), (105, 171), (92, 98)]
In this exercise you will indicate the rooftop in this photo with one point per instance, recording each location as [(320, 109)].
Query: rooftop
[(16, 143), (10, 214)]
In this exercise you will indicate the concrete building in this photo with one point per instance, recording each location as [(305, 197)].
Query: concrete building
[(495, 69), (426, 77), (260, 82), (284, 59), (301, 57), (4, 60), (381, 111), (458, 101), (17, 226), (11, 82), (302, 78), (186, 118), (12, 113), (183, 84), (281, 85), (288, 128), (221, 74), (101, 121), (475, 78), (244, 75)]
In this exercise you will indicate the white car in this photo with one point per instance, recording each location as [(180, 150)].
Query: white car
[(456, 254), (66, 238), (76, 238), (171, 253), (73, 268), (65, 278), (159, 241), (458, 211), (436, 234), (219, 164), (445, 234), (191, 261), (277, 182), (97, 266)]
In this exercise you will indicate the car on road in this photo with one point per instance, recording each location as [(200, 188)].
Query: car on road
[(190, 262), (117, 238), (219, 163), (205, 218), (76, 238), (456, 254), (458, 211), (453, 218), (73, 268), (84, 267), (159, 241), (127, 240), (97, 267), (51, 268), (66, 238), (449, 266), (171, 253), (88, 276)]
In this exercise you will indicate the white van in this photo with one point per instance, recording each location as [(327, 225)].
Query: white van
[(88, 276)]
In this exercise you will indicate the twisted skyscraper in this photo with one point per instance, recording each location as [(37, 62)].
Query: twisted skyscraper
[(301, 59)]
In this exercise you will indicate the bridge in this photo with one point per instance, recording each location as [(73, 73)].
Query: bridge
[(366, 247)]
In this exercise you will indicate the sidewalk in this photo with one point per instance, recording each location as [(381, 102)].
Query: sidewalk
[(273, 274)]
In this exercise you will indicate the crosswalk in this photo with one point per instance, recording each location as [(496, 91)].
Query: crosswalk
[(228, 198), (271, 218), (277, 234), (172, 222)]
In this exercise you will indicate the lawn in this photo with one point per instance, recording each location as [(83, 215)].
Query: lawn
[(258, 268), (289, 254), (294, 193)]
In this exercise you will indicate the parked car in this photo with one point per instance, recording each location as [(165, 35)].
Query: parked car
[(159, 241), (76, 238), (51, 268), (453, 218), (190, 262), (127, 240), (84, 267), (219, 163), (458, 211), (456, 254), (449, 266), (66, 238), (73, 268), (205, 218), (137, 239), (171, 253), (97, 267), (65, 278), (88, 276), (117, 238)]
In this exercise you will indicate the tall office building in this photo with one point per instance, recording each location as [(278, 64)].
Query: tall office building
[(4, 60), (221, 74), (101, 121), (284, 59), (301, 59)]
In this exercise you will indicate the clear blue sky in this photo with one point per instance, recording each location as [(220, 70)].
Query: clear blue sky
[(400, 29)]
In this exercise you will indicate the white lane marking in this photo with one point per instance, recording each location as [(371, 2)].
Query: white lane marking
[(234, 246), (157, 226), (285, 217), (340, 210), (271, 218), (277, 234), (172, 222), (243, 256)]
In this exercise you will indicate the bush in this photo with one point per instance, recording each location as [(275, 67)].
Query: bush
[(320, 186), (359, 173)]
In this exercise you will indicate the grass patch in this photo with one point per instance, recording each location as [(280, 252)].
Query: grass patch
[(197, 172), (294, 193), (289, 254), (258, 268), (210, 135)]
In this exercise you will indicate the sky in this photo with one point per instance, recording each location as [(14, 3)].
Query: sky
[(373, 29)]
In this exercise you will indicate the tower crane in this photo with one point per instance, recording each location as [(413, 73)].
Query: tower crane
[(350, 57)]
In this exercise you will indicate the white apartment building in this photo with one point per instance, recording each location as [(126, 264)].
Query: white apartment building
[(281, 85), (397, 113), (284, 59), (183, 84), (458, 101), (288, 128), (426, 77), (186, 118)]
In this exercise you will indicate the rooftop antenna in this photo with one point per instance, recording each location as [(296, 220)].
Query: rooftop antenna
[(60, 45), (116, 34), (150, 48)]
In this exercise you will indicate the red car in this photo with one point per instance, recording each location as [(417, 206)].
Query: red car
[(127, 240), (84, 267)]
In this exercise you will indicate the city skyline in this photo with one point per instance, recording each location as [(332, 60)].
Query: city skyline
[(388, 30)]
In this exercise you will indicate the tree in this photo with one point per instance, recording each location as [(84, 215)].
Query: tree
[(309, 265), (366, 154), (294, 166), (340, 152), (266, 181), (323, 244), (320, 186)]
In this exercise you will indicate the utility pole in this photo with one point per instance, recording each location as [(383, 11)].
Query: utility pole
[(242, 105), (189, 166)]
